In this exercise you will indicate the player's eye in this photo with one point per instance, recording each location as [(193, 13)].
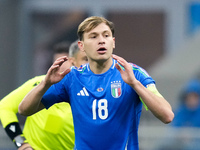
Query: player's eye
[(93, 36)]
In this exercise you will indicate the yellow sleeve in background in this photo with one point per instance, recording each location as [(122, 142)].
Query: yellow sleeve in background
[(9, 104)]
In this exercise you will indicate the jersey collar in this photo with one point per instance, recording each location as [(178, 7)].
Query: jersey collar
[(112, 67)]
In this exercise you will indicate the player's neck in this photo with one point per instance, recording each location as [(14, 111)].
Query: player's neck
[(100, 67)]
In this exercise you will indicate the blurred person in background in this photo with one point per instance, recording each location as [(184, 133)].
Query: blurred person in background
[(47, 129), (56, 28), (76, 56), (188, 112), (184, 135)]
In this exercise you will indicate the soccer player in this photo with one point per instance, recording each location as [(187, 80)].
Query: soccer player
[(48, 129), (105, 95)]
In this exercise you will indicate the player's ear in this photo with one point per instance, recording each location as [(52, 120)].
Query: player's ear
[(113, 42), (81, 45)]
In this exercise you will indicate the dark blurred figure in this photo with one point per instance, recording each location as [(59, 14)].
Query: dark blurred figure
[(188, 113)]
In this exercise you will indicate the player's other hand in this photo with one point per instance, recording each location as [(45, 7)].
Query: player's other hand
[(126, 73), (25, 146)]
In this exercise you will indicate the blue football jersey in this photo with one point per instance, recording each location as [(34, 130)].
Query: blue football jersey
[(106, 111)]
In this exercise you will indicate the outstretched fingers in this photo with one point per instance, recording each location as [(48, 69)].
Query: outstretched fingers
[(127, 74), (60, 60), (54, 74), (121, 61)]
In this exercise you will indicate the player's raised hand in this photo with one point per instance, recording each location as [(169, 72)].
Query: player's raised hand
[(127, 74), (54, 73)]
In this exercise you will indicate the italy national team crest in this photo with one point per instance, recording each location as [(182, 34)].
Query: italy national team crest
[(116, 90)]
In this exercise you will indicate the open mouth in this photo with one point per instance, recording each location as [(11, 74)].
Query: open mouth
[(102, 50)]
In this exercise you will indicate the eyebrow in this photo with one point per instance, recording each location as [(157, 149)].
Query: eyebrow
[(105, 31)]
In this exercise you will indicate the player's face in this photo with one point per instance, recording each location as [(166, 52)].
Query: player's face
[(98, 43), (80, 59)]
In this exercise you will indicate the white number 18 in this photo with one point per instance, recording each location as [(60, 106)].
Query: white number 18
[(102, 107)]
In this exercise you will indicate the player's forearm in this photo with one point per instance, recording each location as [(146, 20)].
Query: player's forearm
[(156, 104), (32, 101)]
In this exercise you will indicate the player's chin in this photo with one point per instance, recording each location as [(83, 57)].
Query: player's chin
[(104, 58)]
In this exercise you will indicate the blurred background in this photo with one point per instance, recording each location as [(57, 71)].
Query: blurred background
[(162, 36)]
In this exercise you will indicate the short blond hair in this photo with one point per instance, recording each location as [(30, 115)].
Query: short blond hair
[(90, 23)]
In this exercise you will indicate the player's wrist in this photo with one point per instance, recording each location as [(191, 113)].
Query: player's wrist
[(19, 140), (13, 130), (134, 83), (45, 83)]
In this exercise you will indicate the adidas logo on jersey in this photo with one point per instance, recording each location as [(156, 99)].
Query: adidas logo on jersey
[(83, 92)]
